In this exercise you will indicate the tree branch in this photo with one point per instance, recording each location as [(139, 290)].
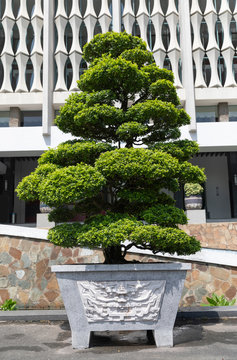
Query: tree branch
[(126, 248)]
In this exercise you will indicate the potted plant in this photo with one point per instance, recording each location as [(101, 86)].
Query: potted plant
[(127, 118), (193, 196)]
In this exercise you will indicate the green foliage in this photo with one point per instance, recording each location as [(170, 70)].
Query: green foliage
[(144, 195), (165, 116), (29, 188), (164, 90), (115, 229), (70, 184), (130, 132), (65, 235), (112, 74), (127, 118), (138, 56), (137, 166), (193, 189), (191, 173), (165, 240), (164, 215), (100, 230), (74, 152), (61, 214), (154, 73), (108, 232), (8, 305), (111, 43), (216, 300), (183, 150)]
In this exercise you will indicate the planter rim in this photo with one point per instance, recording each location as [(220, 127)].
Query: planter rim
[(121, 267)]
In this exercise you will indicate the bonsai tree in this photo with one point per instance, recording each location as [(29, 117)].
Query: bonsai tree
[(127, 158)]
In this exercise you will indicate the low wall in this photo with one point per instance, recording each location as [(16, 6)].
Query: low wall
[(25, 274), (214, 235)]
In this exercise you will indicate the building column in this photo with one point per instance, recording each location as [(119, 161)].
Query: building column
[(15, 117), (116, 14), (223, 112), (48, 67), (187, 62)]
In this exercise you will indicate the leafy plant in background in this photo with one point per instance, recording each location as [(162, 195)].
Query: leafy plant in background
[(216, 300), (127, 156), (193, 189), (8, 305)]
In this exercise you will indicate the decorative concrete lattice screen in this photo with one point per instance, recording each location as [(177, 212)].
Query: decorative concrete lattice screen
[(21, 45), (76, 23), (214, 39), (214, 32)]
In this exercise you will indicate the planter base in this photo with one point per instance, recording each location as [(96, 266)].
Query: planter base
[(121, 297), (42, 221), (196, 216)]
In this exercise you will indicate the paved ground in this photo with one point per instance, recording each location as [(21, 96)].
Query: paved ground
[(49, 341)]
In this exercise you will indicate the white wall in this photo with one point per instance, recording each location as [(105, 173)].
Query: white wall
[(29, 141), (213, 136), (217, 186)]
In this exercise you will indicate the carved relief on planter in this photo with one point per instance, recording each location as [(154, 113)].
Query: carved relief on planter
[(122, 301)]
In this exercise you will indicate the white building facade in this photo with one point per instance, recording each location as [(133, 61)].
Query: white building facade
[(41, 44)]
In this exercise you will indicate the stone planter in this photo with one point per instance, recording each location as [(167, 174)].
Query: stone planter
[(193, 202), (121, 297)]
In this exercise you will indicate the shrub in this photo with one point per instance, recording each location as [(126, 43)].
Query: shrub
[(216, 300), (193, 189), (8, 305)]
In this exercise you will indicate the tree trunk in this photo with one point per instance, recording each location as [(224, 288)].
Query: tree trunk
[(113, 255)]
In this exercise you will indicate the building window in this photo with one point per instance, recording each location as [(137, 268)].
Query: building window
[(4, 118), (233, 113), (31, 118), (206, 114)]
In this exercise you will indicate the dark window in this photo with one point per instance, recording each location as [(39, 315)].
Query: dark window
[(136, 29), (2, 7), (31, 118), (2, 38), (233, 113), (83, 5), (206, 113), (68, 73), (97, 6), (206, 70), (30, 7), (68, 37), (150, 5), (14, 75), (68, 6), (151, 36), (82, 35), (4, 118)]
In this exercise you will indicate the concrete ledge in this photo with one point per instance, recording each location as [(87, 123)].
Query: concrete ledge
[(33, 315), (22, 231), (199, 312), (171, 266)]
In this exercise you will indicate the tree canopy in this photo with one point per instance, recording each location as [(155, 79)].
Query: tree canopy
[(126, 161)]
